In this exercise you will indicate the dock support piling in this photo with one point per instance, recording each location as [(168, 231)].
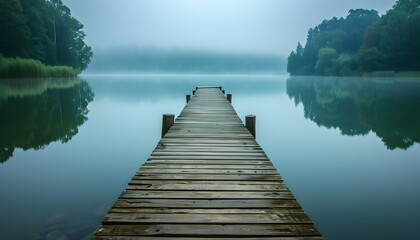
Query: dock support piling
[(223, 91), (167, 123), (250, 124), (194, 92), (229, 97), (188, 98)]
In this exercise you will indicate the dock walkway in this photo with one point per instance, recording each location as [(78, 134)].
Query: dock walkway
[(207, 178)]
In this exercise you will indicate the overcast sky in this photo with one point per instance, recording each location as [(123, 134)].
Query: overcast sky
[(266, 26)]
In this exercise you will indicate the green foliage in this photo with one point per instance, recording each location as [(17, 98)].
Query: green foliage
[(43, 30), (29, 68), (397, 36), (369, 60), (364, 42), (14, 32), (414, 74), (347, 65), (344, 35), (327, 62), (294, 60)]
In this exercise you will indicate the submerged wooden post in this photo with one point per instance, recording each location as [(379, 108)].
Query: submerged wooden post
[(188, 98), (229, 97), (250, 124), (167, 122)]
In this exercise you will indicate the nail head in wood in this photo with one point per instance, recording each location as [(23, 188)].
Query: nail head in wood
[(250, 124), (167, 123)]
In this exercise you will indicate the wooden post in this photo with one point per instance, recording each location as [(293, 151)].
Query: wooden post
[(194, 92), (250, 124), (229, 97), (167, 123), (223, 91), (188, 98)]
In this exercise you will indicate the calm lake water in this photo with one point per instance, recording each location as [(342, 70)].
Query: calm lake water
[(348, 148)]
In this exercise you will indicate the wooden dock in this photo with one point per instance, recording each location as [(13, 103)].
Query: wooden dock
[(207, 178)]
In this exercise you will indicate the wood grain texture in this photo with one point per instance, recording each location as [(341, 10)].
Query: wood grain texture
[(207, 178)]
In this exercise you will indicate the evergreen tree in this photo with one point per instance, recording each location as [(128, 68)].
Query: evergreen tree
[(43, 30), (14, 32)]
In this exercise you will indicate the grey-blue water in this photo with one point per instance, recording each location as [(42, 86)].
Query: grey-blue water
[(348, 148)]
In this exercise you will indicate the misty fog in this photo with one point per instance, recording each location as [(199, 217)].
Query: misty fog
[(267, 27), (252, 26)]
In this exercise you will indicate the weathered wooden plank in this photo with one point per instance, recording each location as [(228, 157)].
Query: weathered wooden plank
[(116, 237), (211, 157), (202, 210), (187, 194), (231, 182), (211, 142), (281, 217), (207, 203), (206, 187), (209, 153), (206, 230), (183, 165), (209, 163), (206, 148), (206, 171), (207, 177)]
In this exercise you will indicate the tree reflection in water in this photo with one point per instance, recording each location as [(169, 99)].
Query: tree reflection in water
[(35, 113), (388, 107)]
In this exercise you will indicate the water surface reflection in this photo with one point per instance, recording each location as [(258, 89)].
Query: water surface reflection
[(62, 189), (387, 107), (35, 113)]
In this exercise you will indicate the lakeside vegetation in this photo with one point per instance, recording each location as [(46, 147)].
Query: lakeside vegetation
[(27, 68), (363, 43), (40, 38)]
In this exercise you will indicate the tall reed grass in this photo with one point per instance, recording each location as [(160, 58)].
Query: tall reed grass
[(29, 68)]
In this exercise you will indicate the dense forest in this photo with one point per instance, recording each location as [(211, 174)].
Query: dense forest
[(42, 30), (361, 43), (158, 60)]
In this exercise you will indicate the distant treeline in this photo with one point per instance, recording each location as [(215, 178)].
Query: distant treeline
[(363, 42), (42, 30), (153, 60)]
